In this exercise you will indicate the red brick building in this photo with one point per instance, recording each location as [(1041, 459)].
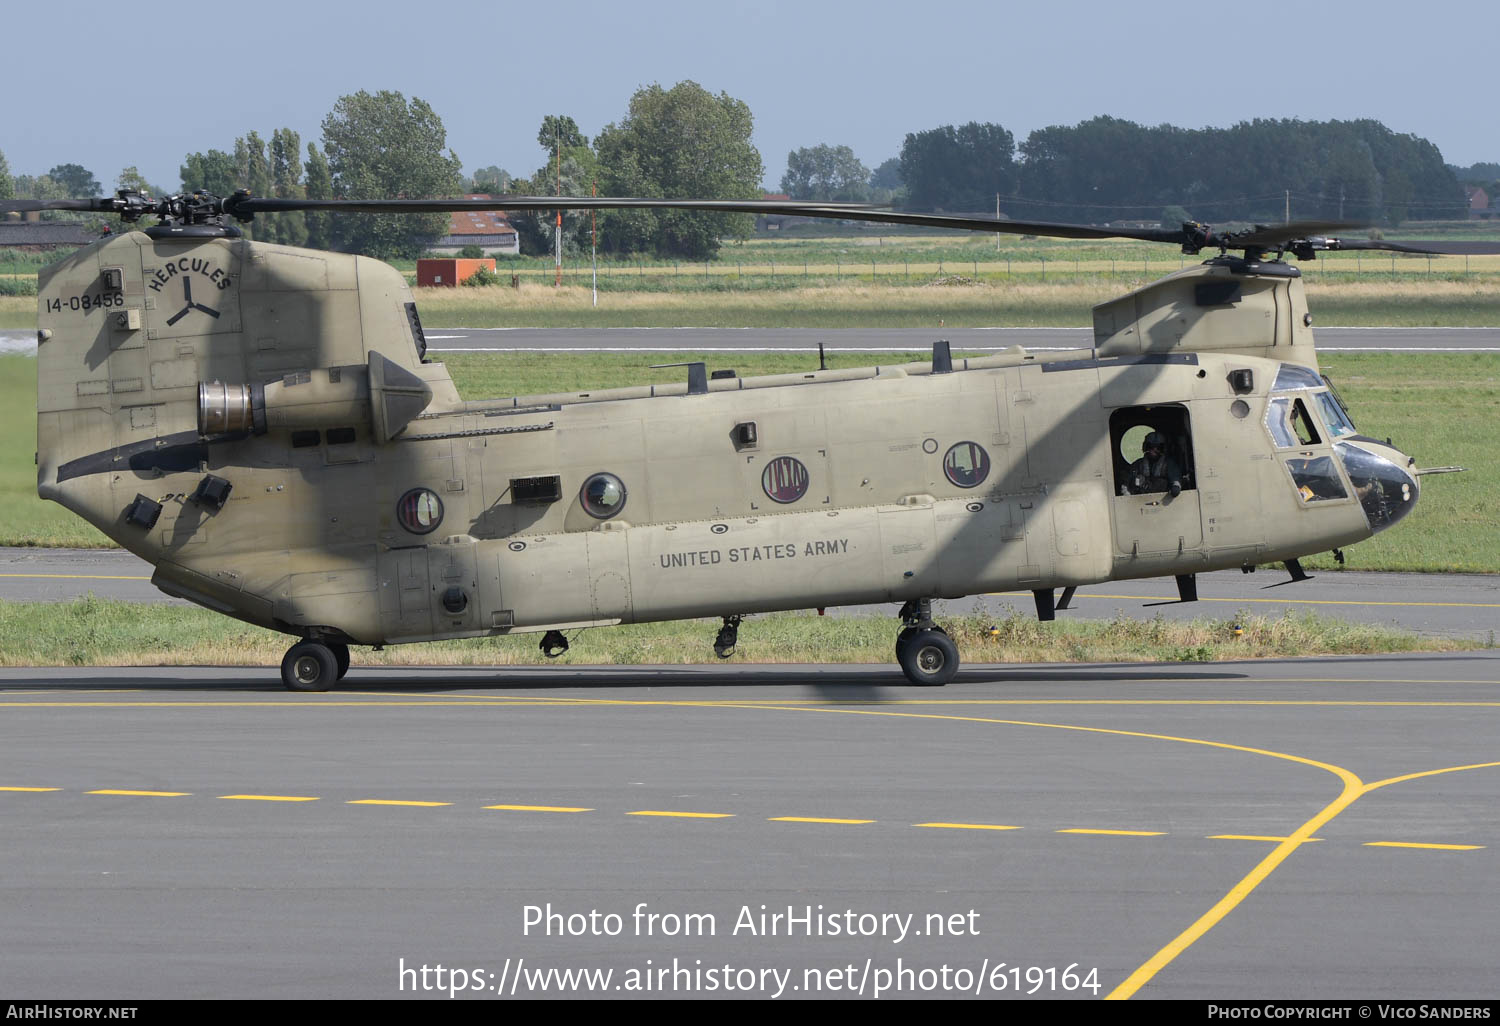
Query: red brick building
[(487, 229)]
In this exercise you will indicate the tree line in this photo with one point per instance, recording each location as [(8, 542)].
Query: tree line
[(1107, 169)]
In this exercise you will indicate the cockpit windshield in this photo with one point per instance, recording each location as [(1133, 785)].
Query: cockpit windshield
[(1339, 425), (1288, 417)]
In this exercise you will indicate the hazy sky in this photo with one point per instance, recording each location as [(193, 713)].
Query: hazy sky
[(108, 85)]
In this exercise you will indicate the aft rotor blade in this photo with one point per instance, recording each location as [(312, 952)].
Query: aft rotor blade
[(844, 212), (29, 205)]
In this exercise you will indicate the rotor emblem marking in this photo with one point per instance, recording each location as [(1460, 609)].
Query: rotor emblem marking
[(784, 479)]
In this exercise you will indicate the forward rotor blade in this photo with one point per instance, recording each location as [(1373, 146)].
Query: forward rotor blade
[(1268, 235), (1394, 247)]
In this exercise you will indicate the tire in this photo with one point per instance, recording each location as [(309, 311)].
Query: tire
[(340, 657), (929, 658), (309, 666), (902, 640)]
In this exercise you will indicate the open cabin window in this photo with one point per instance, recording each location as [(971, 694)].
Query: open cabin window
[(1290, 424), (1128, 429)]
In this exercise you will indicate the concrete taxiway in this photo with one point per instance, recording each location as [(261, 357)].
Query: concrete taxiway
[(1305, 829)]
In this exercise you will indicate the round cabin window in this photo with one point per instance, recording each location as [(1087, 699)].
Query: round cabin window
[(784, 479), (602, 495), (967, 464), (420, 511)]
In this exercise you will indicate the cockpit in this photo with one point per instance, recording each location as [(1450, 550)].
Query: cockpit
[(1326, 458)]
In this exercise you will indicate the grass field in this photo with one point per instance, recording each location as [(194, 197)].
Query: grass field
[(93, 631), (914, 281), (1025, 303), (1440, 408)]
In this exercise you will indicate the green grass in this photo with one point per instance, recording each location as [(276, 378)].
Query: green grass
[(24, 518), (92, 631), (1440, 408)]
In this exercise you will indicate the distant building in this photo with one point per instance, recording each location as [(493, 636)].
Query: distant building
[(1479, 203), (487, 229), (39, 236), (776, 222), (434, 273)]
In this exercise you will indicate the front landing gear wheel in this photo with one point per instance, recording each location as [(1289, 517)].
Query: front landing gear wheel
[(309, 666), (929, 657), (340, 657)]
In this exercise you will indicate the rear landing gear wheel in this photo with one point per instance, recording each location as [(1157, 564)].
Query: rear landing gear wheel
[(928, 657), (310, 666), (902, 640), (340, 657)]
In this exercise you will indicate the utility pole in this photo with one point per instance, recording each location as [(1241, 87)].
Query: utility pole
[(557, 240), (1288, 218), (594, 243)]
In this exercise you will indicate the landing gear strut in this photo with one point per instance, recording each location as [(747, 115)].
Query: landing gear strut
[(927, 655), (553, 644), (729, 636)]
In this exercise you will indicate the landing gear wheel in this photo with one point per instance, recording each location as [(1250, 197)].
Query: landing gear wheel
[(309, 666), (929, 658), (902, 640), (340, 657)]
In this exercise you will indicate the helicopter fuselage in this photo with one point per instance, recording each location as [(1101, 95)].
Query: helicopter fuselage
[(260, 424)]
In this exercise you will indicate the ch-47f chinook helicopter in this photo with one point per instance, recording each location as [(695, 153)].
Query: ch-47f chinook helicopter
[(262, 424)]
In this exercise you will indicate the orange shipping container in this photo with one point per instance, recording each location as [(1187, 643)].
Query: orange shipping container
[(451, 271)]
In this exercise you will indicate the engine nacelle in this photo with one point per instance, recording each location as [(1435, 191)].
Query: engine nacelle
[(382, 395)]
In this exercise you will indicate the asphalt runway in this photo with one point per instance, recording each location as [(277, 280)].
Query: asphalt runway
[(900, 340), (1323, 828), (1446, 605)]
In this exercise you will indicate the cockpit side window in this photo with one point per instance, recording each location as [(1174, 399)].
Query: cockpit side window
[(1316, 479), (1302, 423), (1290, 424)]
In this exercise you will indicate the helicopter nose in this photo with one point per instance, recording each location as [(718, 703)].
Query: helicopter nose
[(1386, 488)]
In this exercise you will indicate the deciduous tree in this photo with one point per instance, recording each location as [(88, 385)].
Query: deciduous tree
[(958, 169), (579, 171), (682, 142), (290, 227), (319, 185), (212, 171), (490, 180), (78, 180), (826, 174), (380, 146)]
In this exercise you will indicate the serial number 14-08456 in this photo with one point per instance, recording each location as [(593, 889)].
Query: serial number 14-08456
[(99, 301)]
